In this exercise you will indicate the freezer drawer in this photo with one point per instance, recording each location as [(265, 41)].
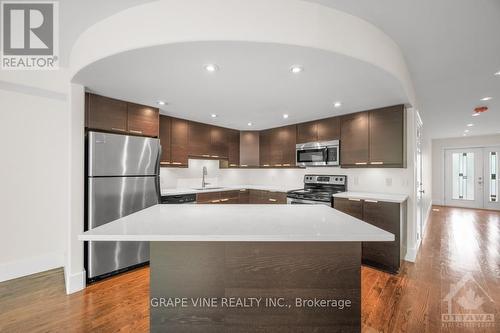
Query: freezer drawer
[(109, 199), (122, 155)]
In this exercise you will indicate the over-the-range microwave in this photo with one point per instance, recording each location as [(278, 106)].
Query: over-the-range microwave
[(324, 153)]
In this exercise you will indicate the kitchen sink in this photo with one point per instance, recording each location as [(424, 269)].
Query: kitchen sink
[(207, 188)]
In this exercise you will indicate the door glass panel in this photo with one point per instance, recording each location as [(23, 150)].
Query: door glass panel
[(463, 176), (493, 175)]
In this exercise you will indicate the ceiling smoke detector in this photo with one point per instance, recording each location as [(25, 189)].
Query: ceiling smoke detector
[(479, 110)]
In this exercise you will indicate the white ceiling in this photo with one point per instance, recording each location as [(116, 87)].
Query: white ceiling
[(253, 84), (451, 47)]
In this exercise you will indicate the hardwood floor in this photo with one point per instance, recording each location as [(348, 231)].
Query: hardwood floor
[(457, 242)]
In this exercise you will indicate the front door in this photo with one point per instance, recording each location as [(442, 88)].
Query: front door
[(464, 183), (491, 157)]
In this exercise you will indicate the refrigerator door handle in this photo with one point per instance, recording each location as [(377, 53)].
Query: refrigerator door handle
[(158, 158)]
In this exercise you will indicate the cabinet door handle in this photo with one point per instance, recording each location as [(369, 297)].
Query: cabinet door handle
[(215, 201), (352, 199), (361, 163), (215, 156), (377, 163), (205, 155), (374, 201), (286, 164), (243, 165), (118, 129), (177, 163), (272, 200), (243, 190), (232, 164), (136, 132), (224, 200)]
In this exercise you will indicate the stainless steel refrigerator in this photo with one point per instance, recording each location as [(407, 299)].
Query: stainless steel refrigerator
[(122, 178)]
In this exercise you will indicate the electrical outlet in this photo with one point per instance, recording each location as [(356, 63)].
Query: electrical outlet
[(388, 181)]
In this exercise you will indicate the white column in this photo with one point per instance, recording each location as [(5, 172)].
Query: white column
[(74, 269)]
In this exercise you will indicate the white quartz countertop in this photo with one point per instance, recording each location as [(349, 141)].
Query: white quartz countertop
[(266, 223), (397, 198), (178, 191)]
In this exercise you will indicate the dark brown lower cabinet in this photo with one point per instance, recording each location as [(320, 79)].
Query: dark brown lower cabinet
[(384, 215), (243, 196), (353, 207)]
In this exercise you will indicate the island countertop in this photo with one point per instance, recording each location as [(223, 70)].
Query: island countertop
[(237, 223)]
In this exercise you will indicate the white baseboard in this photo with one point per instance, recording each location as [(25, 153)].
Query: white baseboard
[(15, 269), (74, 282)]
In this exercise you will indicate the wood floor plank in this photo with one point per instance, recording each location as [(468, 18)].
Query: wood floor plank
[(457, 242)]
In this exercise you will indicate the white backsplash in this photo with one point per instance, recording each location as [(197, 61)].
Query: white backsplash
[(364, 180)]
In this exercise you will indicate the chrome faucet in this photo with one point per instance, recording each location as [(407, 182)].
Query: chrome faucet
[(204, 174)]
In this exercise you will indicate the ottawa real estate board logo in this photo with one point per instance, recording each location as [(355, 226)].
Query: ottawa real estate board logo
[(30, 33), (468, 306)]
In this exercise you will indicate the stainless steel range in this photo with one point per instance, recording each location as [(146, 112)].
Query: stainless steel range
[(318, 190)]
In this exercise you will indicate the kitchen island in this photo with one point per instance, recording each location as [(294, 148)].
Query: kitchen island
[(249, 268)]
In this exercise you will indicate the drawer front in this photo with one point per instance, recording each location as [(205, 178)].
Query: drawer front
[(277, 198), (353, 207), (208, 198)]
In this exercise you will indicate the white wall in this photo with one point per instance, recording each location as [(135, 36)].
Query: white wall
[(438, 148), (34, 202)]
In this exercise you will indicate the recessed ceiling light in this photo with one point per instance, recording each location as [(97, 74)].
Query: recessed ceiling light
[(213, 115), (249, 124), (465, 134), (484, 99), (161, 103), (470, 125), (466, 131), (211, 68), (497, 73), (337, 104), (285, 116), (296, 69), (476, 114)]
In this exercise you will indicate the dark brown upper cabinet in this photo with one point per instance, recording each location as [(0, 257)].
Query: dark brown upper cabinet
[(354, 139), (328, 129), (107, 114), (319, 130), (143, 120), (166, 140), (218, 142), (375, 138), (199, 138), (307, 132), (233, 149), (287, 138), (387, 137), (112, 115), (265, 138), (179, 140), (249, 148)]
